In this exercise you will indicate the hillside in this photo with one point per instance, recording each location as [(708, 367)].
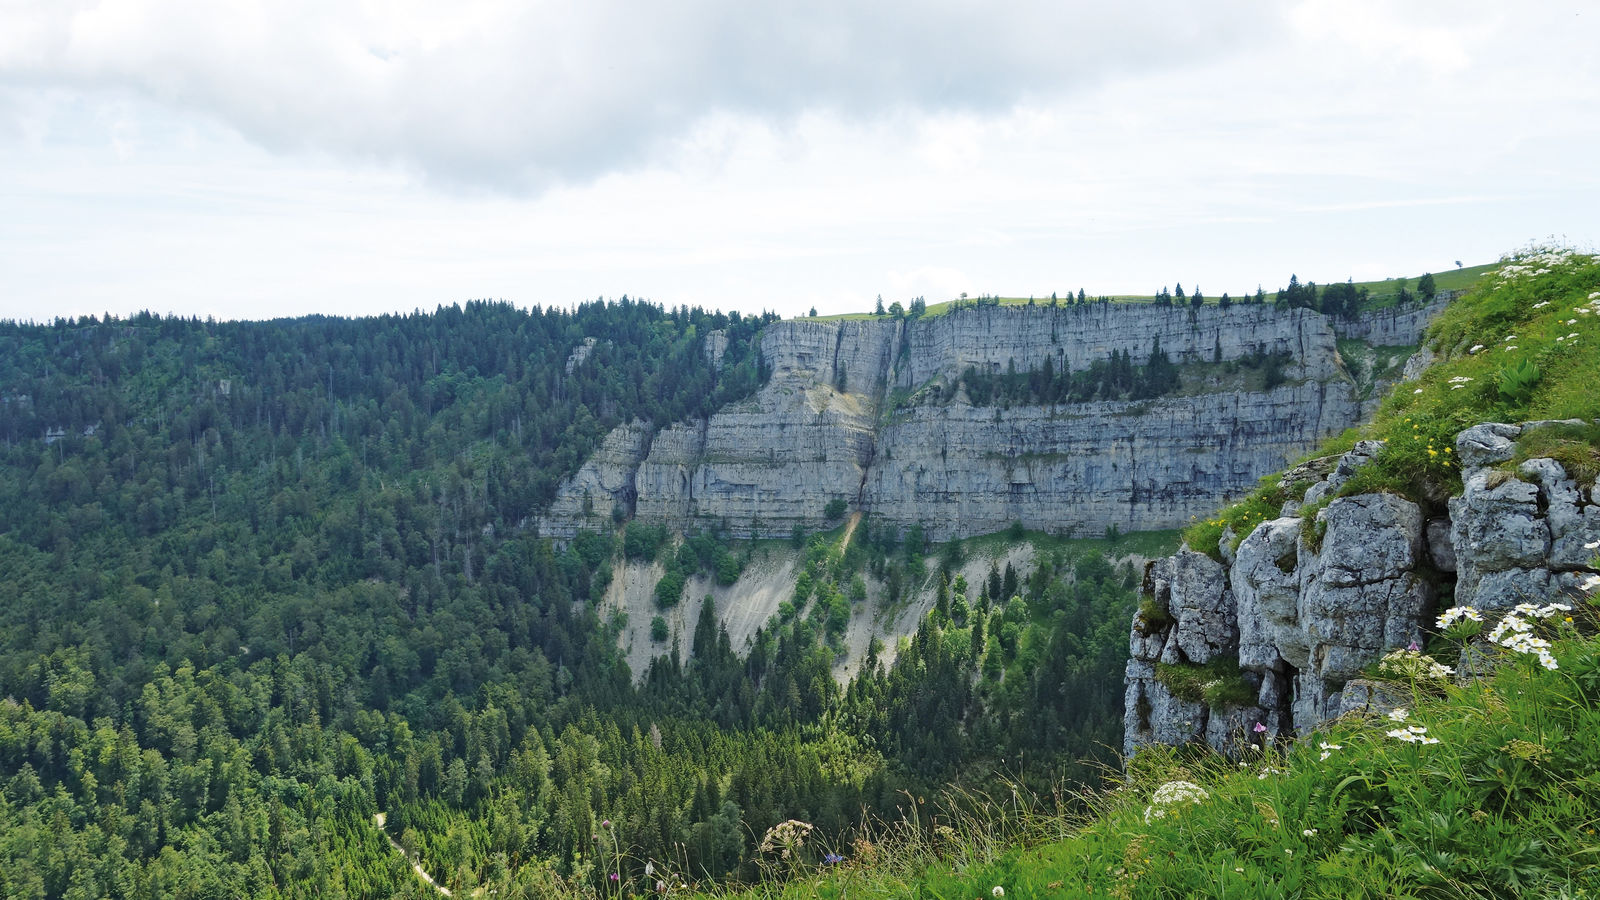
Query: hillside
[(1458, 767), (283, 596)]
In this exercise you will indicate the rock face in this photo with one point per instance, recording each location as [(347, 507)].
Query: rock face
[(1304, 621), (1395, 326), (1518, 534), (868, 412)]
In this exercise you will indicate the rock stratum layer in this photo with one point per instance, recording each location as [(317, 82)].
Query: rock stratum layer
[(1303, 621), (869, 412)]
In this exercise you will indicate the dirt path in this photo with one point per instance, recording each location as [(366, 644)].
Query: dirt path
[(850, 530), (379, 819)]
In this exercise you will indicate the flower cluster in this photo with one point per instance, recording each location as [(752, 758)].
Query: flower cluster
[(1413, 734), (1171, 794), (1327, 749), (1536, 261), (1456, 614), (1414, 664), (786, 838), (1515, 631), (1459, 382)]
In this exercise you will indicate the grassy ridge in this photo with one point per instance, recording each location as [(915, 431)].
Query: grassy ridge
[(1382, 294)]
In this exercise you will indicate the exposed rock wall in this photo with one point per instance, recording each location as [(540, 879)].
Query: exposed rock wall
[(1396, 326), (1303, 620), (822, 428)]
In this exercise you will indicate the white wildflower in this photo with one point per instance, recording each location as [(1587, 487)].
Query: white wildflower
[(1399, 714), (1413, 664), (1417, 391), (998, 891), (1541, 304), (1171, 794), (1414, 734), (1509, 347), (1459, 379), (1592, 545), (1475, 348), (1327, 748), (1458, 614)]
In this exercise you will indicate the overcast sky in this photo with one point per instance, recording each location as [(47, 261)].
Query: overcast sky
[(282, 157)]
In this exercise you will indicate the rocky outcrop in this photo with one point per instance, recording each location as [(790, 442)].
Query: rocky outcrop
[(1518, 533), (604, 483), (1304, 617), (1396, 326), (868, 412)]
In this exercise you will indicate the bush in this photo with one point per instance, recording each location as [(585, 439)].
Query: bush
[(669, 590), (1219, 683), (835, 509), (658, 629)]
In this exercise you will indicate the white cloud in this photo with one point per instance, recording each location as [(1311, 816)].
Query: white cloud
[(281, 159), (509, 94)]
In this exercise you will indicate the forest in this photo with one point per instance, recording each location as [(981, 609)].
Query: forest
[(264, 581)]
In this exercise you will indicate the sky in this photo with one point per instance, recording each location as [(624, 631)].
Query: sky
[(266, 158)]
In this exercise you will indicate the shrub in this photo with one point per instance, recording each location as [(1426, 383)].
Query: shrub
[(1219, 683)]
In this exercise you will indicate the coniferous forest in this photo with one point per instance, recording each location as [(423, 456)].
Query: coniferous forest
[(261, 582)]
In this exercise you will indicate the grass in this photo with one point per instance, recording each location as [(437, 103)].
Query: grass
[(1219, 683), (1383, 294)]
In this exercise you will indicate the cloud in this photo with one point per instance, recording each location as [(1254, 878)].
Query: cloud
[(511, 95)]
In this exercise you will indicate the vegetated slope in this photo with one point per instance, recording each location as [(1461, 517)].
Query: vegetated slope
[(266, 580), (1481, 786)]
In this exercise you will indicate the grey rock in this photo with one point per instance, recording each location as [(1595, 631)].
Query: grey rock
[(605, 480), (1486, 444), (1231, 730), (894, 443), (1266, 588), (1572, 521), (1369, 538), (1395, 326), (1153, 716), (1495, 528), (1358, 456), (1315, 493), (1372, 699), (1539, 424), (1505, 588), (1441, 550), (1193, 588), (1310, 621), (1416, 364)]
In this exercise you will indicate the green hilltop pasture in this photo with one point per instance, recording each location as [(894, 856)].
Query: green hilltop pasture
[(1381, 294)]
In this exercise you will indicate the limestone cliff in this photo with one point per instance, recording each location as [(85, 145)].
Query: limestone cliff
[(1303, 618), (867, 411)]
